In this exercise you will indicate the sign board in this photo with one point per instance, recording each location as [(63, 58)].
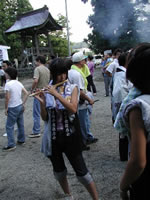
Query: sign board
[(3, 53)]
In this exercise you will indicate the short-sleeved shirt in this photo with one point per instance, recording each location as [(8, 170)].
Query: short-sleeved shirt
[(42, 73), (76, 78), (143, 103), (91, 67), (2, 73), (113, 66), (14, 87), (121, 85)]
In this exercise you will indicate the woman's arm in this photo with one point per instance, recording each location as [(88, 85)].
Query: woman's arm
[(137, 160), (41, 99), (72, 105)]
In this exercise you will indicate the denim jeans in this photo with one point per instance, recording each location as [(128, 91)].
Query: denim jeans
[(107, 81), (15, 115), (85, 125), (90, 135), (36, 116)]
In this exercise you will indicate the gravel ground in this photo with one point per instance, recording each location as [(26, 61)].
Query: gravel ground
[(25, 174)]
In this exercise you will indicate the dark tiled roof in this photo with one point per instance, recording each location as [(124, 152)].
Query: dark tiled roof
[(34, 20)]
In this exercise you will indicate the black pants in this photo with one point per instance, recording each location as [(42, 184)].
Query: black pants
[(63, 144), (3, 80), (91, 84), (123, 148)]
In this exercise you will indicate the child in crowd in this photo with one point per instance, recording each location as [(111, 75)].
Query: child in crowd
[(62, 129), (133, 120), (14, 108)]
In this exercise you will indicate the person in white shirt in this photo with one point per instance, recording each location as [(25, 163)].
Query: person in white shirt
[(110, 71), (14, 108), (112, 67), (76, 76), (121, 88)]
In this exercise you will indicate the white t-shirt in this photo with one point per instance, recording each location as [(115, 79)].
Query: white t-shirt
[(14, 87), (76, 78), (121, 85), (113, 66), (2, 73)]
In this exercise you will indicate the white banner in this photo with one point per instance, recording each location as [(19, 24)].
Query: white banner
[(3, 53)]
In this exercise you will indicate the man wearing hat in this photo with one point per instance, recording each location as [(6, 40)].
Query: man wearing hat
[(76, 76)]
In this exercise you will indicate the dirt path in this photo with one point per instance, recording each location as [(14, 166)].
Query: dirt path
[(25, 174)]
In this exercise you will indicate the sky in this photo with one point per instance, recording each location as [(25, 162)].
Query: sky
[(78, 13)]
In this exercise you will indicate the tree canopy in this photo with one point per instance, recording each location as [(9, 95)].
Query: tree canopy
[(9, 10), (59, 38), (118, 23)]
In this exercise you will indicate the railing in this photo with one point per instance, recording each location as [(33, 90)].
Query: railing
[(41, 51), (29, 55), (25, 72)]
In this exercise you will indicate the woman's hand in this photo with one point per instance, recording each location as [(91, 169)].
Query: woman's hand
[(52, 90)]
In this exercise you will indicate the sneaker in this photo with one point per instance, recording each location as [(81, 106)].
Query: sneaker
[(7, 148), (69, 197), (20, 143), (94, 94), (94, 140), (32, 135)]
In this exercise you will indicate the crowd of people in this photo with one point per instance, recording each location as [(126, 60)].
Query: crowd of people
[(63, 97)]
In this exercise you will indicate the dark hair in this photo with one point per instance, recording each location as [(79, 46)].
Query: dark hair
[(8, 63), (53, 56), (12, 72), (138, 67), (90, 57), (41, 59), (57, 67), (68, 63), (122, 59), (116, 51)]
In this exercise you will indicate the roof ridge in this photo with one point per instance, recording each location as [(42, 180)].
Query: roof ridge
[(32, 12)]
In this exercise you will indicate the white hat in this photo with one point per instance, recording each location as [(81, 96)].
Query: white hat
[(77, 57)]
